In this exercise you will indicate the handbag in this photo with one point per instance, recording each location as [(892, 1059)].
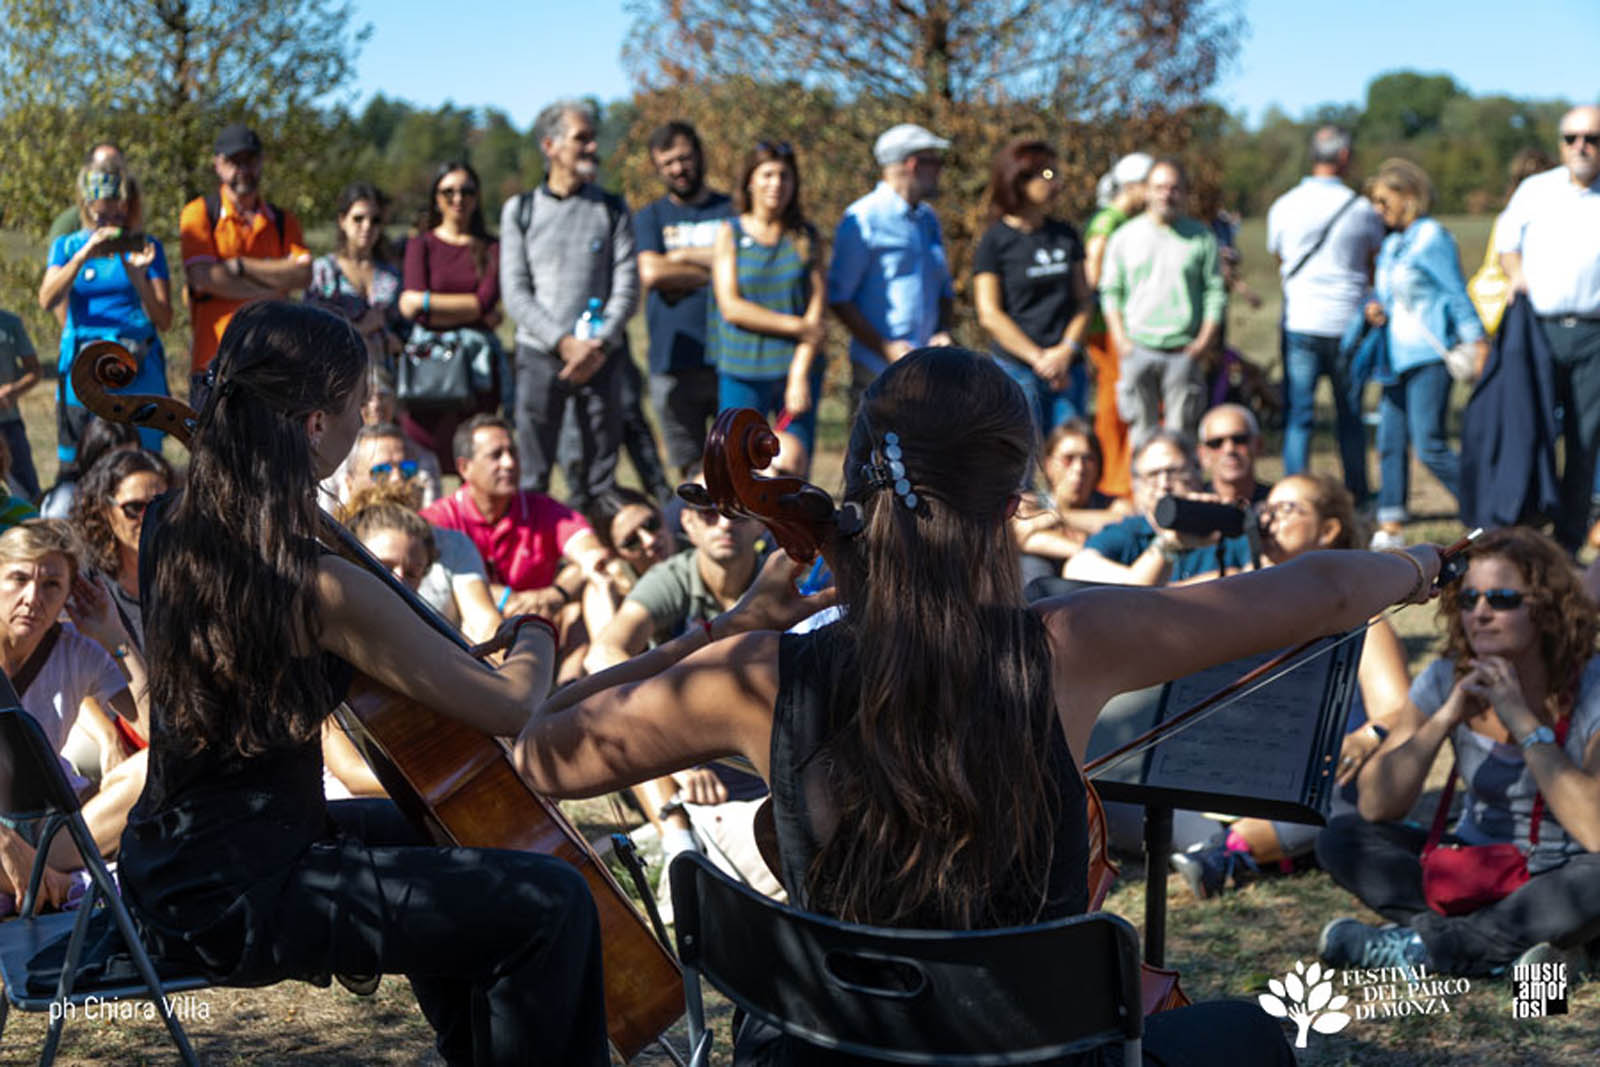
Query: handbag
[(1489, 288), (1459, 879), (434, 370), (1461, 360)]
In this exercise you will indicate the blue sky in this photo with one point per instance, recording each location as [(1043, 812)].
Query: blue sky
[(518, 55)]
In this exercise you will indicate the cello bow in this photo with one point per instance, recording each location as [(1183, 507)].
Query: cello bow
[(456, 784)]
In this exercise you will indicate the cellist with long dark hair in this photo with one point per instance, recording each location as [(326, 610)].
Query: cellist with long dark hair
[(231, 860), (923, 751)]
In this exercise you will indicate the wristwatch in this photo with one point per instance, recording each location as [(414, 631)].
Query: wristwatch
[(236, 267), (1539, 735)]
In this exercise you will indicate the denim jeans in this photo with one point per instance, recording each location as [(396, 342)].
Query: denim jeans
[(1050, 407), (1306, 357), (766, 396), (1411, 412)]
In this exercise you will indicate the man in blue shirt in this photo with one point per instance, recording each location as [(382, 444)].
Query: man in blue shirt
[(889, 281), (675, 236)]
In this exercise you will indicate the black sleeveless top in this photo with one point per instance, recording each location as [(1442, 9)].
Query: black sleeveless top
[(215, 834), (802, 724)]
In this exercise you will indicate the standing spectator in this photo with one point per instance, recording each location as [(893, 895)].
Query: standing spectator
[(112, 290), (566, 243), (1422, 299), (103, 156), (1163, 299), (765, 329), (1489, 288), (676, 234), (1549, 245), (1324, 235), (889, 281), (19, 372), (237, 248), (1029, 285), (452, 288), (1121, 195), (1230, 442), (359, 279)]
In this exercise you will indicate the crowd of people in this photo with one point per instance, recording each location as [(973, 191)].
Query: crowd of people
[(386, 385)]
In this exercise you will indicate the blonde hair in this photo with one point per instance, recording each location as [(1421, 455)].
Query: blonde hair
[(1407, 179), (33, 539)]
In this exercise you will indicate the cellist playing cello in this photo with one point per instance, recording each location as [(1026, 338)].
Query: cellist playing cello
[(231, 860), (923, 751)]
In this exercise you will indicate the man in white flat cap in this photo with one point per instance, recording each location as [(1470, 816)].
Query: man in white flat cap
[(889, 281)]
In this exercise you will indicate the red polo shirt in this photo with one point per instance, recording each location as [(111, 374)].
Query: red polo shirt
[(523, 548)]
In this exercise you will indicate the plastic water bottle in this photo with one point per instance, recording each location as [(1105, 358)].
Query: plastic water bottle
[(591, 321)]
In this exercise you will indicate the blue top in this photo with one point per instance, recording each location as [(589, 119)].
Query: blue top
[(1123, 542), (1418, 281), (777, 278), (103, 302), (677, 324), (889, 261)]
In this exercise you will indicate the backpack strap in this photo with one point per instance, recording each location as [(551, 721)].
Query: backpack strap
[(1323, 236)]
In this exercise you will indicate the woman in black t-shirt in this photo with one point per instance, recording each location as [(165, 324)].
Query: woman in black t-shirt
[(1029, 285)]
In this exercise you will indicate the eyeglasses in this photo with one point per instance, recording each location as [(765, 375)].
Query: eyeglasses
[(1240, 439), (634, 542), (457, 192), (406, 467), (1284, 508), (133, 510), (775, 148), (1164, 474), (1499, 599), (1590, 139)]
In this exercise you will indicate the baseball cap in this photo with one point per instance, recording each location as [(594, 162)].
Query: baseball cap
[(1133, 167), (906, 139), (235, 138)]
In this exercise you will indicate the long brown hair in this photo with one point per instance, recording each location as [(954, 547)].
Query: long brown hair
[(793, 218), (1565, 615), (236, 571), (941, 774)]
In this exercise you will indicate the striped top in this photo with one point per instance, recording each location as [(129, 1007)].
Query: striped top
[(778, 279)]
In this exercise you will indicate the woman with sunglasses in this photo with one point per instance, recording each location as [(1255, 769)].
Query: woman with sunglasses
[(1420, 298), (765, 330), (1307, 513), (109, 515), (452, 287), (1029, 285), (1516, 694)]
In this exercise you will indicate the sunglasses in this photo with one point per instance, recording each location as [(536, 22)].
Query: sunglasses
[(1590, 139), (133, 510), (634, 542), (1499, 599), (406, 467), (457, 192), (1240, 439)]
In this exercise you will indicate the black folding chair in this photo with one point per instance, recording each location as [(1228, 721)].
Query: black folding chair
[(1016, 995), (38, 974)]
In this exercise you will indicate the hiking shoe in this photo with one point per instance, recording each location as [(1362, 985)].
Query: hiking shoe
[(1207, 868), (1349, 942), (1387, 541)]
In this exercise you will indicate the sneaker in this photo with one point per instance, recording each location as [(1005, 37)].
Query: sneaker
[(1207, 868), (1383, 540), (1349, 942), (1545, 952)]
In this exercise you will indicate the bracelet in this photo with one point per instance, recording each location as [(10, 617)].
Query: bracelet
[(535, 620), (1378, 733), (427, 302), (505, 598), (119, 653), (1421, 583)]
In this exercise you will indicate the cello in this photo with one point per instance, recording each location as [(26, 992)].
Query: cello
[(454, 783), (805, 523)]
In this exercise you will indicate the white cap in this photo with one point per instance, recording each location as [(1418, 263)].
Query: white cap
[(1133, 167), (906, 139)]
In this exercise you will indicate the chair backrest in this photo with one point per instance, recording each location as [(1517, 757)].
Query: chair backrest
[(32, 783), (1014, 995)]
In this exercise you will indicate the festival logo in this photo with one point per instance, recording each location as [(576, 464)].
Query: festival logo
[(1306, 998), (1538, 989)]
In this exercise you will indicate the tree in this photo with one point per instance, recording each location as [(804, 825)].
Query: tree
[(159, 78), (1405, 104)]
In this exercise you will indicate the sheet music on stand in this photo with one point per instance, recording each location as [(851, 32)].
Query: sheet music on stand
[(1271, 753)]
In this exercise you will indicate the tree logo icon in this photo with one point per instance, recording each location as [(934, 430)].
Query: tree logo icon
[(1306, 998)]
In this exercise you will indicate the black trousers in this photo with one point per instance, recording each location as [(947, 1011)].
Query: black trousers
[(1380, 863), (1575, 360), (501, 948), (545, 402)]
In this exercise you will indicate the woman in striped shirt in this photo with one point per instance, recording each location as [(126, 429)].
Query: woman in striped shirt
[(765, 328)]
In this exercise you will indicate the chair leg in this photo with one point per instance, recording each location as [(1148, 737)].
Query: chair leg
[(672, 1054)]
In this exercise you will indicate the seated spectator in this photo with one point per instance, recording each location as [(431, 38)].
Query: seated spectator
[(450, 575), (1136, 551), (631, 526), (675, 595), (1517, 695), (382, 454), (379, 409), (522, 534), (13, 509), (59, 669), (1305, 512), (1050, 526), (1230, 441), (99, 437)]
